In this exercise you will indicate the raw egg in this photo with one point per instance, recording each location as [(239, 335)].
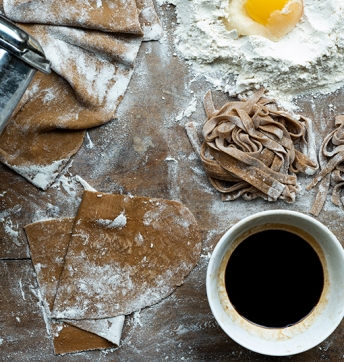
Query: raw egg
[(269, 18)]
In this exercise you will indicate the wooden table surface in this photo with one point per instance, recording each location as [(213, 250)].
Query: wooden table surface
[(145, 151)]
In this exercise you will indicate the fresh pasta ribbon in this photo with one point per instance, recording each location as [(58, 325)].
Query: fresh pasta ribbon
[(253, 149), (331, 156)]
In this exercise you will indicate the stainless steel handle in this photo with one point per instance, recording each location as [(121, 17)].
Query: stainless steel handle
[(22, 45), (20, 57)]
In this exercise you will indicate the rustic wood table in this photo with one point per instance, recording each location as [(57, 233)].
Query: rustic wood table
[(145, 151)]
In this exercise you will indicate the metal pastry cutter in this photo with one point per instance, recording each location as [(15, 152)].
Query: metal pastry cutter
[(20, 57)]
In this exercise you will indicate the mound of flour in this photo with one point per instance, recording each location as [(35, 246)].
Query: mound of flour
[(307, 60)]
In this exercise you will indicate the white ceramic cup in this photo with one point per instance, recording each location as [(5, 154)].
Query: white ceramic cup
[(311, 330)]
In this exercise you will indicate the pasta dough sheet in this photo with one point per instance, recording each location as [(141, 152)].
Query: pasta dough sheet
[(48, 242), (125, 253), (119, 255), (106, 15), (92, 47)]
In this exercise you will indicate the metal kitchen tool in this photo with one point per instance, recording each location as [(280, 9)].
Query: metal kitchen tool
[(20, 57)]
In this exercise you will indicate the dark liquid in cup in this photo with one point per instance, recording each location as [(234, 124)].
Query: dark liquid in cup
[(274, 278)]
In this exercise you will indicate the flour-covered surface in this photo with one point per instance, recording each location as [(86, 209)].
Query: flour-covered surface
[(306, 59), (145, 151), (23, 332)]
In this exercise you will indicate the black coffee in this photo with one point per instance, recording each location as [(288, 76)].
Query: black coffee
[(274, 278)]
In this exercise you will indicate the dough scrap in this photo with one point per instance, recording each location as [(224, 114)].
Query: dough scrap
[(331, 156), (48, 242), (253, 148), (69, 339), (125, 253)]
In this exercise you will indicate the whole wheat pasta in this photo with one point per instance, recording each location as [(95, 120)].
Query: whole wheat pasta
[(253, 149), (331, 157)]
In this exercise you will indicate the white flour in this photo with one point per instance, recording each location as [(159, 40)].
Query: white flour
[(119, 222), (307, 60)]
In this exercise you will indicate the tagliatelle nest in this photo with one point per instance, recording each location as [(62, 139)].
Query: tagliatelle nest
[(331, 158), (253, 148)]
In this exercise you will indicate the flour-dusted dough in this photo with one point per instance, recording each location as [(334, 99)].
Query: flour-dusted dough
[(150, 23), (48, 242), (105, 15), (125, 253), (37, 143), (92, 47)]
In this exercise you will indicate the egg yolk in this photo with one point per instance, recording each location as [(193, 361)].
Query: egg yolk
[(272, 19), (261, 10)]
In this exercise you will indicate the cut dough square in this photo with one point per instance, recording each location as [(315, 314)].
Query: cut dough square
[(125, 253)]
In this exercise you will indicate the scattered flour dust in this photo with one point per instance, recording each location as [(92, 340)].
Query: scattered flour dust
[(190, 109), (308, 59), (119, 222), (12, 230), (40, 176)]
